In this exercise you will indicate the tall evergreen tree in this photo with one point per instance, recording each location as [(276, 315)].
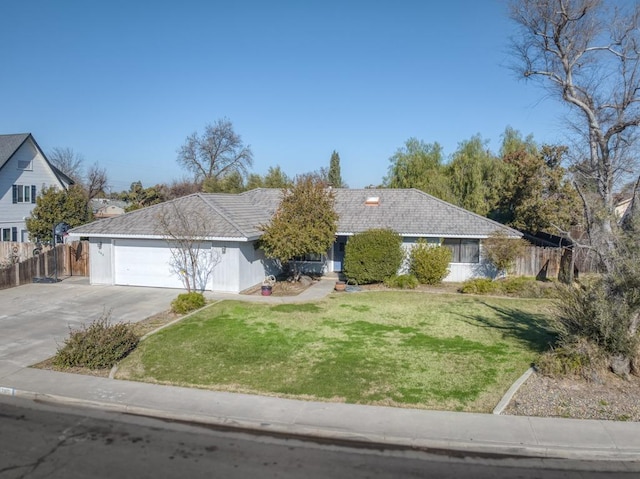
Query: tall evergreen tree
[(335, 178)]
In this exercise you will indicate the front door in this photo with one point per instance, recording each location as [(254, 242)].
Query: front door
[(338, 253)]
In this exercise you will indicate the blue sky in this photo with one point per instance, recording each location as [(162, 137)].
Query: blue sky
[(124, 83)]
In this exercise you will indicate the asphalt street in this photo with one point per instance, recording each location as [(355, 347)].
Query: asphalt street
[(50, 441)]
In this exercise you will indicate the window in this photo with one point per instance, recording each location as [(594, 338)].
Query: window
[(24, 165), (6, 234), (463, 250), (310, 257), (24, 193)]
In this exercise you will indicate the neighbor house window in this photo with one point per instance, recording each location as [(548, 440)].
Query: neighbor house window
[(10, 234), (24, 193), (463, 250)]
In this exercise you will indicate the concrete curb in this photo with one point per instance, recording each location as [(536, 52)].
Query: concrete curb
[(496, 450), (508, 396)]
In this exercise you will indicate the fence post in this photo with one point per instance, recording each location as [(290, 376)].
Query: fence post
[(16, 270)]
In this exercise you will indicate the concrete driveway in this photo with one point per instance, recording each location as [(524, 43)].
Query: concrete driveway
[(35, 318)]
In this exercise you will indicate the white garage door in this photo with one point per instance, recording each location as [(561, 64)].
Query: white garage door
[(144, 263)]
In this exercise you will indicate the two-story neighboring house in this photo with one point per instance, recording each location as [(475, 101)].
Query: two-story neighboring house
[(24, 171)]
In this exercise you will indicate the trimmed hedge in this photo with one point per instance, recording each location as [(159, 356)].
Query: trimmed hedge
[(429, 264), (372, 256)]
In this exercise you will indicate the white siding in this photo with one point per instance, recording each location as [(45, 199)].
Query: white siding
[(101, 261), (253, 265), (40, 175), (225, 275)]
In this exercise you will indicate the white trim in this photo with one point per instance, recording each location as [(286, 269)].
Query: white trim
[(161, 237)]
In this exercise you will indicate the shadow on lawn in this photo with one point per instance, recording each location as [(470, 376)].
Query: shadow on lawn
[(533, 329)]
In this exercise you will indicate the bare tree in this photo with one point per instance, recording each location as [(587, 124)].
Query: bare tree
[(96, 181), (186, 230), (217, 152), (67, 161), (586, 53)]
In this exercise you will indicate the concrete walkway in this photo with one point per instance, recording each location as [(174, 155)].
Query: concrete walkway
[(471, 433)]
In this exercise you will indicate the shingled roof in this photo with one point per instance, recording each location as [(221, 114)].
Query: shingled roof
[(409, 212), (9, 144)]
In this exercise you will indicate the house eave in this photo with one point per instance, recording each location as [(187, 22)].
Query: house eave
[(433, 235), (73, 235)]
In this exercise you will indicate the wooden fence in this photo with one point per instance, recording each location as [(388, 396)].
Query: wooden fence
[(546, 263), (72, 260)]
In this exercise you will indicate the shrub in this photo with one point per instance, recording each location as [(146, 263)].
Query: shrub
[(403, 281), (591, 313), (429, 264), (373, 255), (97, 346), (187, 302), (580, 359), (526, 287), (479, 286), (502, 251)]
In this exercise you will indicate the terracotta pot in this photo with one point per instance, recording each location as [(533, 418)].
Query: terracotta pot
[(266, 290), (340, 286)]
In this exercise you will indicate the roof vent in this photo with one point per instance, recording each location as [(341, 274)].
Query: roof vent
[(372, 201)]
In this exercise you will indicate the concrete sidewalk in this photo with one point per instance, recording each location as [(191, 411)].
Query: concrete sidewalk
[(436, 430), (440, 430)]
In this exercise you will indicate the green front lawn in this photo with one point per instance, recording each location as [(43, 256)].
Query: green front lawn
[(390, 348)]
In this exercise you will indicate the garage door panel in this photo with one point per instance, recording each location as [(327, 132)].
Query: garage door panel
[(144, 263)]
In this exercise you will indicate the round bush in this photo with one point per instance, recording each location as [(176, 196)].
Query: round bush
[(187, 302), (372, 256), (430, 264)]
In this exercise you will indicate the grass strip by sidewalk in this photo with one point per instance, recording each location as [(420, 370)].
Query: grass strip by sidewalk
[(388, 348)]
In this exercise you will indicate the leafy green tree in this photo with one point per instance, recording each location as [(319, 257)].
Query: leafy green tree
[(473, 175), (419, 165), (535, 193), (335, 178), (254, 181), (54, 206), (304, 223), (228, 183), (276, 178), (139, 197)]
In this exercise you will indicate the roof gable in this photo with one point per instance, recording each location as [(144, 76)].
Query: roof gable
[(10, 144)]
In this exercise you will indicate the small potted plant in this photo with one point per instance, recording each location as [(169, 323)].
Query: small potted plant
[(267, 285)]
